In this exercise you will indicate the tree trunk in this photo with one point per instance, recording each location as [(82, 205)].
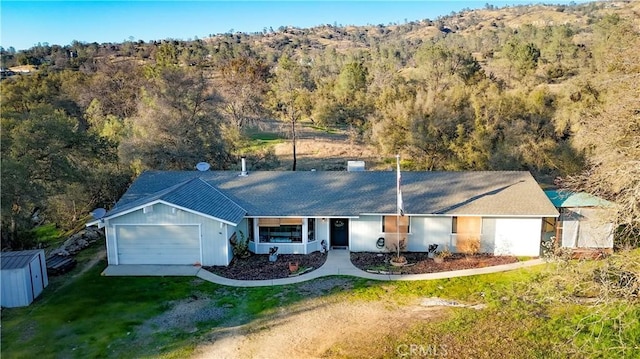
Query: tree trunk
[(13, 232), (293, 140)]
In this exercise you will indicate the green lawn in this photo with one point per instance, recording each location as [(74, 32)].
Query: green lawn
[(47, 233), (325, 129), (258, 139), (536, 312)]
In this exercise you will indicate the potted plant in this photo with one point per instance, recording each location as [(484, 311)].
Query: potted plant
[(398, 261), (241, 247), (442, 255), (293, 267)]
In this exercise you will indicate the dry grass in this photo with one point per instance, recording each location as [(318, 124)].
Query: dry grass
[(323, 150), (325, 154)]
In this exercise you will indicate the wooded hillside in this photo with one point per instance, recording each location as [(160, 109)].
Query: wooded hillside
[(549, 89)]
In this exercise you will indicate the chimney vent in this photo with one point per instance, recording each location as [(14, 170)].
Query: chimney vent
[(243, 160)]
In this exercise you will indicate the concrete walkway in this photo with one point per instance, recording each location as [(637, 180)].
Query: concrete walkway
[(338, 263)]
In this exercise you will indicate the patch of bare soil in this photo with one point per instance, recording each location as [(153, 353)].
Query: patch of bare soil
[(318, 328), (100, 255), (184, 315), (418, 263), (258, 267), (321, 150), (325, 154)]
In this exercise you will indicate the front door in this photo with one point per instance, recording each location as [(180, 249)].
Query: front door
[(339, 232)]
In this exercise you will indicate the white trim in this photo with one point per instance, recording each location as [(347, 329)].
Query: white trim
[(318, 217), (106, 239), (201, 251), (305, 233), (156, 224), (115, 244), (256, 229), (226, 244), (170, 205), (349, 234), (116, 225), (459, 215), (330, 237)]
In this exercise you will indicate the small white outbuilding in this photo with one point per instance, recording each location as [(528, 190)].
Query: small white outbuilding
[(23, 277), (584, 220)]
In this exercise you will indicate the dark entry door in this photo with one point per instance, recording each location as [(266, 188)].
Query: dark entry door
[(339, 232)]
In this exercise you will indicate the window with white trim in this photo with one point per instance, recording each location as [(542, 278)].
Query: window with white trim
[(280, 230)]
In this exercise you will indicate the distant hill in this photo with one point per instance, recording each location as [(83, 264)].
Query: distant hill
[(477, 24)]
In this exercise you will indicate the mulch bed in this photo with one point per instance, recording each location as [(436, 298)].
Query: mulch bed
[(258, 267), (418, 263)]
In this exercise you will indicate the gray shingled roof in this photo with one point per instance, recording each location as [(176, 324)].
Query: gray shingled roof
[(325, 194), (17, 259), (194, 194)]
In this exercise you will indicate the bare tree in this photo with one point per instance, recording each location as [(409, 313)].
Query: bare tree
[(290, 97), (610, 130), (177, 124), (242, 84)]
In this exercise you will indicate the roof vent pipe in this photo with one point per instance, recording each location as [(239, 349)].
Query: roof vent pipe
[(243, 160)]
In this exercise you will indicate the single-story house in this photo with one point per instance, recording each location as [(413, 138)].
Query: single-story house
[(189, 217), (584, 220), (23, 275)]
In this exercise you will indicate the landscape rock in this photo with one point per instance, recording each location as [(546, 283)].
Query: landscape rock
[(78, 242), (60, 252), (439, 302)]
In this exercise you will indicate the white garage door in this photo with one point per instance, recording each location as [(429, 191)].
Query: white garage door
[(158, 244)]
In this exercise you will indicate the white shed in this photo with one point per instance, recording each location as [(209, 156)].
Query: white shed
[(24, 277)]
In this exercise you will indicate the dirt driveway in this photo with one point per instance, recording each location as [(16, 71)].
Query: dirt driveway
[(322, 327)]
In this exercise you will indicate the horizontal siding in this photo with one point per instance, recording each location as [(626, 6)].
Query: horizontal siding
[(488, 239), (214, 243), (429, 230), (518, 236), (365, 231), (228, 251), (322, 228), (283, 248)]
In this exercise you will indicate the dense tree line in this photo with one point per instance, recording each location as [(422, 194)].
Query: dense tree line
[(471, 96)]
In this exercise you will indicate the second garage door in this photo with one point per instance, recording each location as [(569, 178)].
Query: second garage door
[(158, 244)]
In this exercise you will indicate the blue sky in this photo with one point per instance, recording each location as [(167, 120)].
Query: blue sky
[(25, 23)]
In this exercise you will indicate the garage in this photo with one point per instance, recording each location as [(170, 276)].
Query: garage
[(158, 244)]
